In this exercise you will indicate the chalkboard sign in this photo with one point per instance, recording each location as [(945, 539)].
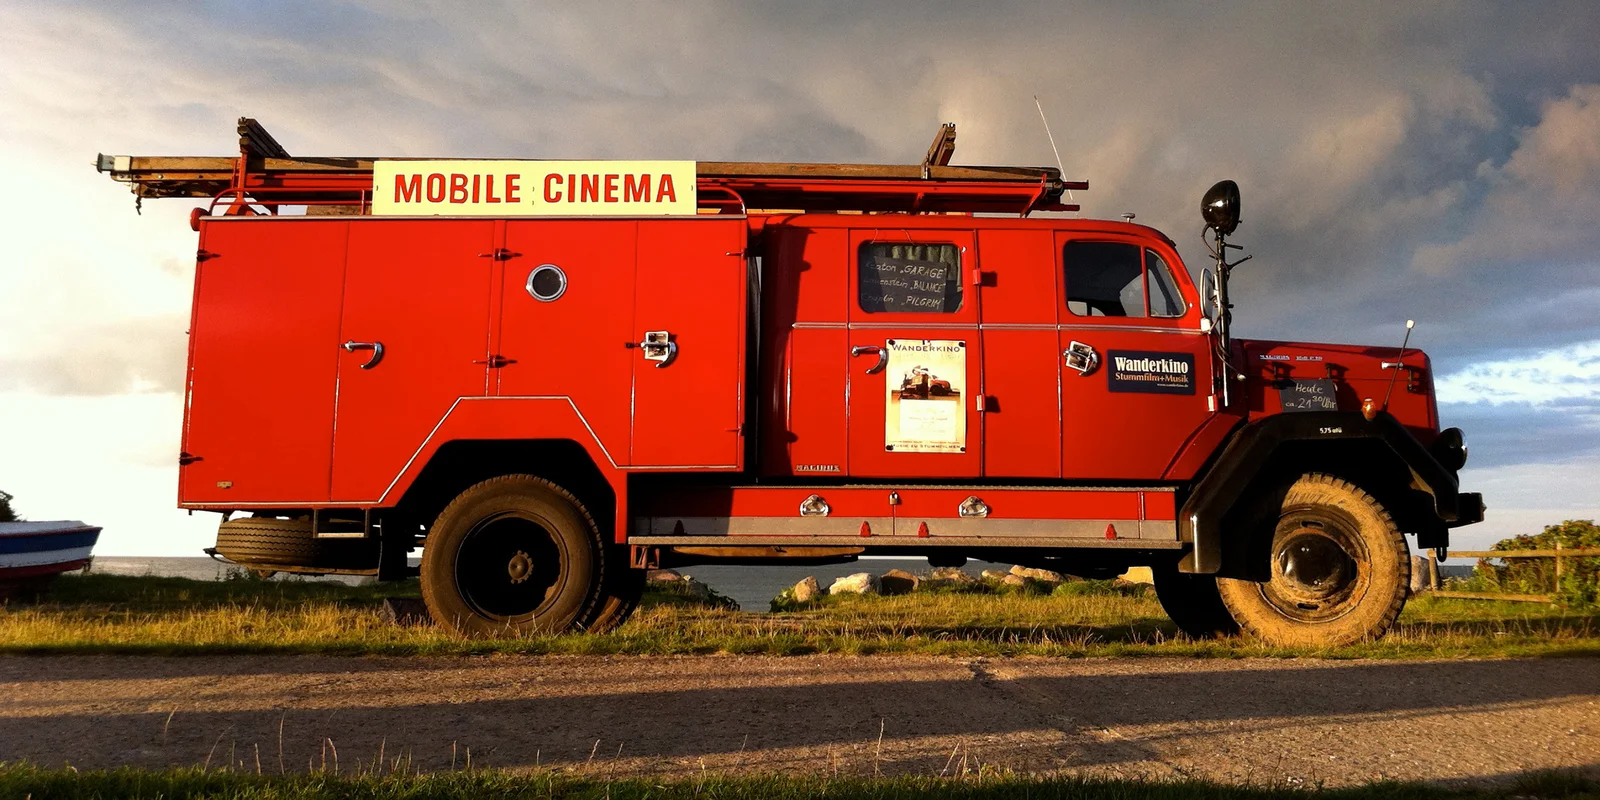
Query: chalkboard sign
[(1313, 395), (910, 278)]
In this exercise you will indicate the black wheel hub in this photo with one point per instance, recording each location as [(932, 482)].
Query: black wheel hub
[(508, 567), (1316, 566)]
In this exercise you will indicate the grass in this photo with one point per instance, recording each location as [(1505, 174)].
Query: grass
[(40, 784), (175, 616)]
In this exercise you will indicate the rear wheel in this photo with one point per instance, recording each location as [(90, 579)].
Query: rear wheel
[(620, 597), (513, 555), (1193, 602), (1340, 569)]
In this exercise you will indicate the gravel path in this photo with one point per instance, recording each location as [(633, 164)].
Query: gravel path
[(1335, 722)]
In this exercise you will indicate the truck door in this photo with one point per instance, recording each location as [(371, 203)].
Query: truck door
[(258, 422), (419, 290), (688, 355), (1135, 366), (1022, 395), (916, 354), (565, 315)]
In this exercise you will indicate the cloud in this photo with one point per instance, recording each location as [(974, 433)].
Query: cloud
[(122, 357)]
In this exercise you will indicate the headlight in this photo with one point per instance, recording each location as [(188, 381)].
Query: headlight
[(1451, 448)]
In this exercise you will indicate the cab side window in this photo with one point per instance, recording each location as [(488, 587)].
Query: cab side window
[(909, 277), (1165, 299), (1104, 279)]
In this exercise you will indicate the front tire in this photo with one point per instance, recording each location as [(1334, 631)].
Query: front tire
[(512, 556), (1340, 570), (1193, 602)]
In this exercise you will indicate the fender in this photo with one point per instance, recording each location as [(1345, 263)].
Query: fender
[(1248, 452), (555, 417)]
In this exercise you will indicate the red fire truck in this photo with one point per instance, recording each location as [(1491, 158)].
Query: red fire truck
[(553, 375)]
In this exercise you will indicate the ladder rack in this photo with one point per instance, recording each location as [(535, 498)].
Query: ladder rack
[(265, 172)]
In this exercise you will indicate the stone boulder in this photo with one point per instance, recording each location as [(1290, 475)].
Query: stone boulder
[(696, 589), (1419, 575), (806, 590), (859, 583), (1041, 575), (951, 575), (898, 582), (663, 576), (1014, 580), (994, 575)]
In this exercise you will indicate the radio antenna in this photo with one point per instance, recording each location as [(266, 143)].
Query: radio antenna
[(1398, 364), (1052, 139)]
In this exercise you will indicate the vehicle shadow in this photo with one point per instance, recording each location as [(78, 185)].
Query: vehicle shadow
[(864, 715)]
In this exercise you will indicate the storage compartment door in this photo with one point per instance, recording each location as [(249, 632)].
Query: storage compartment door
[(688, 365), (421, 290), (258, 422)]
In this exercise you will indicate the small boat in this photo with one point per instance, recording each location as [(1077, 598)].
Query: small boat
[(32, 553)]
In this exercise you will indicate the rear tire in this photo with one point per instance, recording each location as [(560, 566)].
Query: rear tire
[(1193, 602), (512, 556), (619, 599), (1340, 570)]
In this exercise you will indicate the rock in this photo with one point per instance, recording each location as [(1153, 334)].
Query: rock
[(1042, 575), (662, 576), (805, 591), (1419, 575), (406, 611), (898, 582), (859, 583), (994, 575), (1138, 575), (1013, 580), (698, 590), (951, 575)]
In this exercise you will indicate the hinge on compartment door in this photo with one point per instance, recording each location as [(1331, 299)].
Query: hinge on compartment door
[(499, 254), (202, 256), (495, 362)]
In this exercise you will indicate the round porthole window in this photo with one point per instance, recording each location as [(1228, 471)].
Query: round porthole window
[(547, 282)]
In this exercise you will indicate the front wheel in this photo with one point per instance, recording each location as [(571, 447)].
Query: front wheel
[(1339, 570), (511, 556)]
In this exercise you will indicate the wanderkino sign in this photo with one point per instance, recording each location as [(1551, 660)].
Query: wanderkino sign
[(534, 188)]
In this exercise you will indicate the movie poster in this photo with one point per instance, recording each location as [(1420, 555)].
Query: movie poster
[(927, 411)]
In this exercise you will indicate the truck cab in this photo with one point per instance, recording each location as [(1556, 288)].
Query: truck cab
[(552, 376)]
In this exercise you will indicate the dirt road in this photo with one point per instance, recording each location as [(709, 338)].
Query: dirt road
[(1258, 721)]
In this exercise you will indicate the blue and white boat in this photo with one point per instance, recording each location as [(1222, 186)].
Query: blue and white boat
[(33, 552)]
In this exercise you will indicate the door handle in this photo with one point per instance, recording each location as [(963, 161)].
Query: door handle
[(883, 356), (1081, 357), (658, 347), (375, 347)]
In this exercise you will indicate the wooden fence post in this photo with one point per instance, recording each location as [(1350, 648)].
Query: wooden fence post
[(1433, 569)]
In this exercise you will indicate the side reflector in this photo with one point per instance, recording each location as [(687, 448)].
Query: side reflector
[(922, 530), (866, 529), (1111, 531)]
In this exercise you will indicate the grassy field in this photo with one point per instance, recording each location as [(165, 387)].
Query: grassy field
[(25, 781), (117, 614)]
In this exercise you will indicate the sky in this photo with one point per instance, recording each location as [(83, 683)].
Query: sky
[(1422, 160)]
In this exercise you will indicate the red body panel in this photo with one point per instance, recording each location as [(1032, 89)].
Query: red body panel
[(263, 360), (573, 347), (691, 282), (423, 292), (1021, 383)]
